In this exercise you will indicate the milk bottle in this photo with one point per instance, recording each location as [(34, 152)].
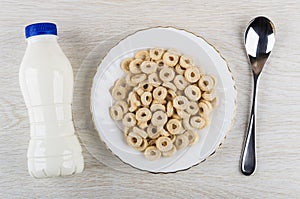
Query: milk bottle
[(46, 80)]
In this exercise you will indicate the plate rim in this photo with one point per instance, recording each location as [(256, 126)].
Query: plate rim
[(234, 89)]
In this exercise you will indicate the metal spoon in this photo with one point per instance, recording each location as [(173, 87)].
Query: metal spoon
[(259, 42)]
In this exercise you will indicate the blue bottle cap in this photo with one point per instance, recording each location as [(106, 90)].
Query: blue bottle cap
[(40, 29)]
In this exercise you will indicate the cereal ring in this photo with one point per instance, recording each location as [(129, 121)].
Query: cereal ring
[(208, 95), (180, 82), (143, 55), (192, 108), (123, 105), (171, 95), (146, 86), (129, 119), (152, 142), (152, 153), (208, 103), (160, 64), (138, 78), (127, 130), (180, 102), (139, 91), (121, 83), (186, 62), (153, 131), (132, 107), (159, 118), (133, 98), (170, 152), (163, 132), (182, 113), (142, 125), (143, 146), (156, 107), (192, 136), (143, 114), (187, 125), (170, 59), (166, 74), (156, 53), (170, 86), (203, 108), (155, 101), (134, 66), (179, 69), (125, 64), (128, 80), (164, 144), (172, 137), (154, 79), (159, 93), (140, 132), (170, 109), (198, 122), (146, 98), (134, 140), (192, 74), (181, 141), (119, 93), (116, 112), (192, 92), (174, 126), (148, 67), (206, 83)]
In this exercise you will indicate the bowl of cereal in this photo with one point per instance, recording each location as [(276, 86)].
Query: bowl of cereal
[(163, 100)]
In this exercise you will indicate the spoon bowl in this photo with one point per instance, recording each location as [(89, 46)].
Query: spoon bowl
[(259, 42)]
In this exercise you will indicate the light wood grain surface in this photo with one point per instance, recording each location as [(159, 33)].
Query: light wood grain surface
[(83, 25)]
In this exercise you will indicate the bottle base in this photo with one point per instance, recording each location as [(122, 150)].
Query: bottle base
[(44, 167)]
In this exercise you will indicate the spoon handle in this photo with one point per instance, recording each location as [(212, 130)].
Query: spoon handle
[(248, 161)]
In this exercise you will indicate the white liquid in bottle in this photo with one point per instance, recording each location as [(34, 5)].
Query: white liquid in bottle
[(46, 80)]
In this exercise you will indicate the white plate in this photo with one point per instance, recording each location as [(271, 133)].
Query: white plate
[(205, 56)]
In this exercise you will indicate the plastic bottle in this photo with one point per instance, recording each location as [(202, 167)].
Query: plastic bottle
[(46, 80)]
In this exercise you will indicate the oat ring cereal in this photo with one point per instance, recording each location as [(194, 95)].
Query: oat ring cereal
[(174, 126), (129, 120), (163, 101), (170, 59), (146, 98), (152, 153), (164, 144), (159, 118), (156, 53), (116, 112), (125, 64), (134, 66), (160, 93), (148, 67), (143, 114), (198, 122), (186, 61), (192, 74), (192, 92), (180, 82), (143, 55), (166, 74), (180, 102)]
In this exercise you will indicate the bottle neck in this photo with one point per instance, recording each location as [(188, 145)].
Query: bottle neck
[(42, 38)]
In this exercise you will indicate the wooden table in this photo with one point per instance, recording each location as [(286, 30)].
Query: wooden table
[(84, 24)]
